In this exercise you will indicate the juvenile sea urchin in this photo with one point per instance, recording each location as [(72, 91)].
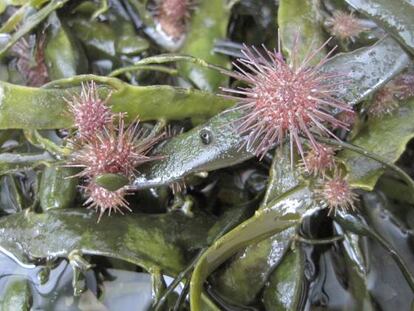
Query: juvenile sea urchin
[(387, 99), (283, 100), (91, 114), (103, 200), (117, 150), (345, 25), (319, 161), (336, 192)]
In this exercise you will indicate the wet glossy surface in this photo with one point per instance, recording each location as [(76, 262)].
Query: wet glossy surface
[(149, 241), (50, 288), (367, 69), (394, 131), (395, 16), (204, 148)]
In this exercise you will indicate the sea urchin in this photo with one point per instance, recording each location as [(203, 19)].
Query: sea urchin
[(345, 25), (336, 192), (103, 200), (318, 161), (283, 100), (91, 114), (31, 60), (116, 150)]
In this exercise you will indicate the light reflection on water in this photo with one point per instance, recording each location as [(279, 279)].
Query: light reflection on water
[(127, 289)]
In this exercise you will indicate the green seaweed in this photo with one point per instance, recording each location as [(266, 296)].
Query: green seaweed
[(209, 22)]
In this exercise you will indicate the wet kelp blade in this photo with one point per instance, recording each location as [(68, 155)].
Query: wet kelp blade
[(17, 295), (63, 54), (57, 188), (214, 145), (385, 232), (149, 241), (13, 162), (395, 16), (394, 131), (367, 69), (209, 21), (282, 213), (45, 108), (283, 290), (299, 30), (244, 276)]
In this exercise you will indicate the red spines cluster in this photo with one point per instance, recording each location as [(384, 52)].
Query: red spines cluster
[(104, 200), (318, 161), (336, 192), (345, 25), (386, 99), (283, 101), (90, 113), (114, 150), (31, 61), (104, 147)]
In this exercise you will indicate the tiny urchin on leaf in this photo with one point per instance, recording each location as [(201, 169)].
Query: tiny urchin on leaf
[(103, 200), (387, 99), (318, 161), (284, 100), (90, 113), (116, 150), (336, 192), (345, 25)]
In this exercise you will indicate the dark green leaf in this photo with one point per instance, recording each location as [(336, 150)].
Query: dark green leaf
[(387, 137), (57, 187), (63, 54), (284, 288), (367, 69), (300, 30), (149, 241), (208, 23)]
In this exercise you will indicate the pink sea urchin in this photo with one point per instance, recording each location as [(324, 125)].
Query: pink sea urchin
[(345, 25), (103, 200), (283, 100), (319, 161), (118, 150), (337, 193), (91, 114), (114, 150), (387, 99)]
